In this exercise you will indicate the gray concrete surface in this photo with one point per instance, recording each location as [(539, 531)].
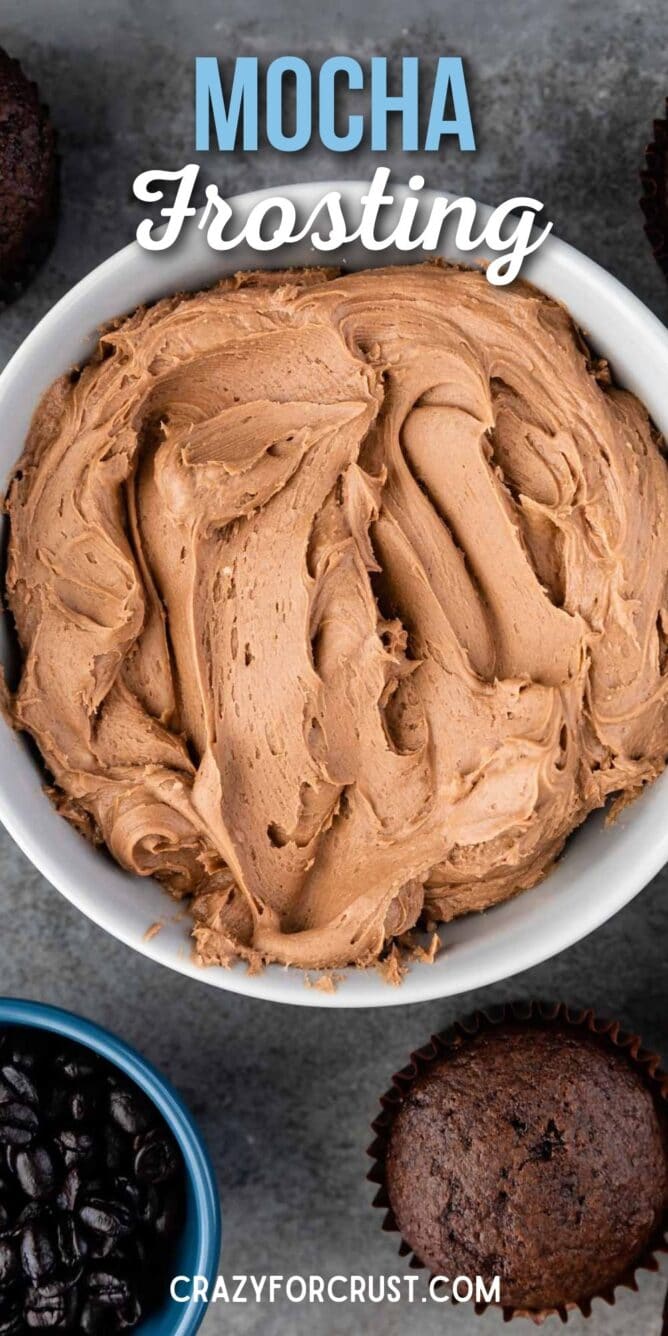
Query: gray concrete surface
[(564, 95)]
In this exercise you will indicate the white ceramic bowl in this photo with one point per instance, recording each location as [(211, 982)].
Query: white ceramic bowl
[(601, 869)]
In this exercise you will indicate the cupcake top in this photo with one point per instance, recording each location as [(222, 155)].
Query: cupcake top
[(534, 1153), (29, 174)]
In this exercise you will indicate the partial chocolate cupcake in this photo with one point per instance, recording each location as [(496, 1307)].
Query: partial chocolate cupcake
[(654, 202), (532, 1147), (28, 179)]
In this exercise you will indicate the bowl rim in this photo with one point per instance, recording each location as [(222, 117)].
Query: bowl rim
[(159, 1089), (576, 274)]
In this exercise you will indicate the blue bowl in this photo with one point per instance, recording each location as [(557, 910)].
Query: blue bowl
[(199, 1249)]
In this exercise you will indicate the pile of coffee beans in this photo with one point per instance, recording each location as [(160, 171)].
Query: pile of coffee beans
[(91, 1191)]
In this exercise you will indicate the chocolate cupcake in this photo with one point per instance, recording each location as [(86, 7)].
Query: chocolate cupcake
[(654, 202), (28, 179), (532, 1147)]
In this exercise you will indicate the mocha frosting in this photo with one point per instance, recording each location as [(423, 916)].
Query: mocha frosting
[(342, 600)]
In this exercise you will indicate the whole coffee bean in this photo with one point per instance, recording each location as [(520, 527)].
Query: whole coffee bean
[(9, 1263), (76, 1066), (76, 1145), (18, 1124), (131, 1195), (36, 1172), (70, 1189), (156, 1158), (69, 1242), (21, 1083), (112, 1293), (132, 1113), (101, 1247), (38, 1253), (51, 1307), (106, 1287), (106, 1216), (83, 1102)]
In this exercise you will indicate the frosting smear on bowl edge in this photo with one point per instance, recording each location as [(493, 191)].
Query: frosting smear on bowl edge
[(341, 601)]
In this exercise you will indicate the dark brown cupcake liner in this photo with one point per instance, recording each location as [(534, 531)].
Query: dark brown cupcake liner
[(36, 245), (538, 1014), (654, 200)]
